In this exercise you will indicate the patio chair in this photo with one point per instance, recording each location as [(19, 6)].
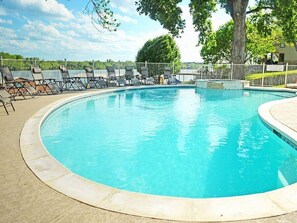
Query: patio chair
[(129, 76), (111, 76), (5, 100), (49, 85), (145, 76), (167, 73), (14, 87), (171, 79), (70, 83), (93, 81), (113, 80)]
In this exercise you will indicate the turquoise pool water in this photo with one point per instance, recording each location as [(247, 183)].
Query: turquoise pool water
[(182, 142)]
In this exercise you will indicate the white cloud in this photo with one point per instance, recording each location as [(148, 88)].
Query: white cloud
[(126, 19), (47, 8), (2, 11), (123, 9), (125, 6), (40, 31), (7, 34), (9, 40), (76, 40), (3, 21)]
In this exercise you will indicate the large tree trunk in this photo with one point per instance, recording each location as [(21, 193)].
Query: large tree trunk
[(238, 13)]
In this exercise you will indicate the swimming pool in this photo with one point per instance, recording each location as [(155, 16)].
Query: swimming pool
[(180, 142)]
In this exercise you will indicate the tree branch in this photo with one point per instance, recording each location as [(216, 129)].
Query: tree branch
[(259, 8)]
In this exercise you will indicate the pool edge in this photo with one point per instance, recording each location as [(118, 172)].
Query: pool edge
[(55, 175)]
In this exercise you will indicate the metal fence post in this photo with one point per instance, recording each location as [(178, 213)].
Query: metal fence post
[(263, 71), (286, 76), (231, 74), (173, 67), (1, 62), (145, 63)]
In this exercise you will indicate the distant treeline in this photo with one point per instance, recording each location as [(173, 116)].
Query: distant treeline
[(18, 62)]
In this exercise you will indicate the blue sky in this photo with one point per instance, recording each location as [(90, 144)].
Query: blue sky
[(58, 29)]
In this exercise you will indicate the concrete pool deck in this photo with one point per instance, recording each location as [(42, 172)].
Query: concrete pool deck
[(24, 198)]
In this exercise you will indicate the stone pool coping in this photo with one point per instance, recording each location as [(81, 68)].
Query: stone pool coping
[(55, 175)]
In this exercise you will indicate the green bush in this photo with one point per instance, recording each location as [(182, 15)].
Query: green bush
[(162, 49)]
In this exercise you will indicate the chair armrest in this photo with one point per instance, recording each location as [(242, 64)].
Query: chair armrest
[(50, 79), (77, 78)]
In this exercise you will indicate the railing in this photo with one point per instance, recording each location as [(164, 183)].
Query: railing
[(258, 74), (274, 75), (21, 68)]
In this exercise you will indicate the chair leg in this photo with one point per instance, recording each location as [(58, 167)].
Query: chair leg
[(21, 93), (12, 106), (3, 103), (49, 87), (6, 110), (29, 93)]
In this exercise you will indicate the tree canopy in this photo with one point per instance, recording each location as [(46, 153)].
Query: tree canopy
[(169, 14), (5, 55), (280, 12), (217, 47)]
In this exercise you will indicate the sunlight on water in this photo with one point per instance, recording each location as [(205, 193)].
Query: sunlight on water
[(181, 142)]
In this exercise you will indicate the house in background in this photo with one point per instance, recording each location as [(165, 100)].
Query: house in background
[(286, 54)]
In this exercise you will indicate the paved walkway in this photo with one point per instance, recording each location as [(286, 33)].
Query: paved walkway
[(24, 198)]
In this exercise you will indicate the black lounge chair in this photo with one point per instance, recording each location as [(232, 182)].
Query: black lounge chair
[(129, 76), (111, 76), (5, 100), (92, 81), (70, 83), (14, 87), (146, 79), (49, 86), (112, 79)]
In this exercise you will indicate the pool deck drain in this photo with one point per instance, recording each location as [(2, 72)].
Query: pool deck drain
[(55, 175)]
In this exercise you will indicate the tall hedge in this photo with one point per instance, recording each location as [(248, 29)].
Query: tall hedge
[(162, 49)]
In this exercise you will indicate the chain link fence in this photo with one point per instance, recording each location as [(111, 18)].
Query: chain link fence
[(258, 74), (21, 68)]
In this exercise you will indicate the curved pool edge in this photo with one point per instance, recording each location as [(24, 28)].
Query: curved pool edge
[(55, 175), (278, 127)]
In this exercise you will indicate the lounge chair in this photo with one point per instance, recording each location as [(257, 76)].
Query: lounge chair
[(14, 87), (113, 80), (5, 100), (111, 76), (70, 83), (146, 79), (93, 81), (49, 86), (167, 73), (129, 75), (171, 79)]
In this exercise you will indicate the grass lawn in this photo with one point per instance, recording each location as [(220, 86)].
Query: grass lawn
[(270, 74)]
